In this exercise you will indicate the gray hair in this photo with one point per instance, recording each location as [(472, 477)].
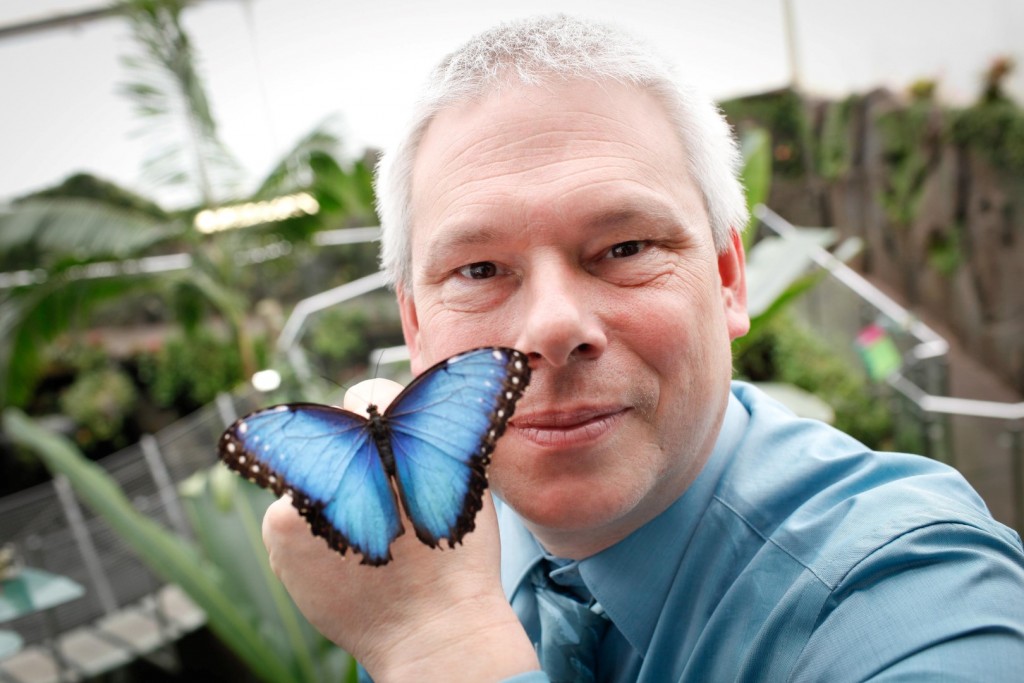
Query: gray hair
[(540, 50)]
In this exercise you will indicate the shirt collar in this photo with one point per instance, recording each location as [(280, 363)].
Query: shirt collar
[(649, 557)]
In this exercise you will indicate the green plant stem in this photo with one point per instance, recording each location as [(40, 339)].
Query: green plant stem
[(283, 604)]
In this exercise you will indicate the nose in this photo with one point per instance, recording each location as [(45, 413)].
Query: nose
[(561, 324)]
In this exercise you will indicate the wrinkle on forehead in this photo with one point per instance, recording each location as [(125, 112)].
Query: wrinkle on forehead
[(514, 126), (535, 155)]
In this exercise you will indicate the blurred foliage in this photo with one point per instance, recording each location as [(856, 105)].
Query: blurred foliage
[(834, 149), (81, 241), (188, 372), (88, 186), (995, 130), (756, 174), (912, 140), (166, 88), (922, 90), (99, 401), (782, 351), (994, 80), (340, 336), (946, 250), (781, 113), (913, 136), (756, 145), (57, 233)]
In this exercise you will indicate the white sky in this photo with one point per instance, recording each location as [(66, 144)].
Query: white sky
[(276, 68)]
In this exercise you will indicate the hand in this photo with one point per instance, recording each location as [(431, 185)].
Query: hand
[(428, 614)]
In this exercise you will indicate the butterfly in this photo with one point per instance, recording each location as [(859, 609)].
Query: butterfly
[(434, 442)]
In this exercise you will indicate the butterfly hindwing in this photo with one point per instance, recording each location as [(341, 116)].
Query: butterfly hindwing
[(443, 430), (324, 457)]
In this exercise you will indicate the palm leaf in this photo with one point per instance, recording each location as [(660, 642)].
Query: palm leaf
[(83, 229), (167, 91), (32, 318), (292, 171)]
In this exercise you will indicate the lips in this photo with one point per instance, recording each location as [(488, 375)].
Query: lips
[(574, 428)]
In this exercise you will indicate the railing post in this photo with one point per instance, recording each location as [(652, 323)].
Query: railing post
[(164, 485), (83, 539), (226, 409)]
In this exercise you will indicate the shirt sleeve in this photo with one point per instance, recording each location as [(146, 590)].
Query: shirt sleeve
[(939, 602)]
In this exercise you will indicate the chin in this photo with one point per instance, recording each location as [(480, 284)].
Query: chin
[(570, 507)]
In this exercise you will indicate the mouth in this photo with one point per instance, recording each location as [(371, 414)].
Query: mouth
[(567, 428)]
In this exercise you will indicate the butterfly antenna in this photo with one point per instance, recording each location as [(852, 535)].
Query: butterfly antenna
[(335, 383)]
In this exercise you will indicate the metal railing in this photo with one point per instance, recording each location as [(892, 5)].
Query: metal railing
[(981, 438), (52, 531)]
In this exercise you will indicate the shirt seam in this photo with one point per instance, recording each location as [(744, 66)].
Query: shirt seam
[(772, 541), (874, 551)]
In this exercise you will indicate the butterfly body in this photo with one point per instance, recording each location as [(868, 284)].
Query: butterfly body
[(379, 431), (427, 452)]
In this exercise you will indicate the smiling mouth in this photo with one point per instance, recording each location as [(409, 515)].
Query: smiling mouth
[(571, 429)]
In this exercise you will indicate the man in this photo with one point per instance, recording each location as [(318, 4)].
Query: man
[(559, 194)]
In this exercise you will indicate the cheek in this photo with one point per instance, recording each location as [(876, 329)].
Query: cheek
[(682, 338), (444, 333)]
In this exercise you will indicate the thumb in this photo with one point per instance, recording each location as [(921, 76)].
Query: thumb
[(379, 392)]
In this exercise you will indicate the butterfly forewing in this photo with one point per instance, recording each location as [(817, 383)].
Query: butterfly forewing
[(326, 459), (443, 430)]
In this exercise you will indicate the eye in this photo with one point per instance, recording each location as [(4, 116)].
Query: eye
[(626, 249), (479, 271)]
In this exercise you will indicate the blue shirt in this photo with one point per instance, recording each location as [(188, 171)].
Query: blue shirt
[(799, 554)]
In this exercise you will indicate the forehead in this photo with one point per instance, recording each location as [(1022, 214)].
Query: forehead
[(555, 149)]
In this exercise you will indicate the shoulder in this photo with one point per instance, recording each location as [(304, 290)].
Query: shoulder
[(830, 502), (942, 597), (908, 560)]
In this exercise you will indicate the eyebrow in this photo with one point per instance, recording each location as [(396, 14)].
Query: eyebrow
[(631, 211), (466, 235)]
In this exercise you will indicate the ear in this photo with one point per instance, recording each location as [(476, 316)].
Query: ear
[(410, 327), (732, 272)]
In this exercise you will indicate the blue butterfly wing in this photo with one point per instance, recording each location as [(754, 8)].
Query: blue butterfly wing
[(443, 428), (326, 460)]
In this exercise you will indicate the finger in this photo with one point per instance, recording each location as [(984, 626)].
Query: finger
[(379, 392)]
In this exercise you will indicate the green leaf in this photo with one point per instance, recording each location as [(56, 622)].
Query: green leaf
[(756, 174), (167, 90), (170, 556), (31, 318), (292, 171), (82, 228), (222, 508), (758, 322)]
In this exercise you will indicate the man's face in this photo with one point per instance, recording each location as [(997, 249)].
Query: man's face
[(561, 220)]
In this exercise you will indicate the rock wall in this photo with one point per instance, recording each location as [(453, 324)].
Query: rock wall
[(940, 224)]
